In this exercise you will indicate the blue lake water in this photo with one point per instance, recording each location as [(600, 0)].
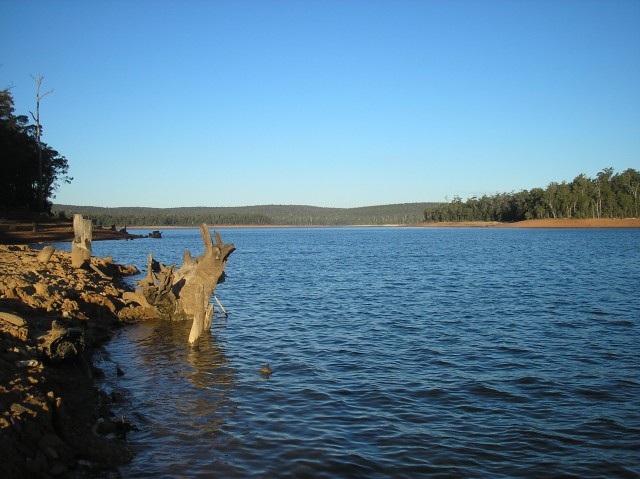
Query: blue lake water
[(397, 352)]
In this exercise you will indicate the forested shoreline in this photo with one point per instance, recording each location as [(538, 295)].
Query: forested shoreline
[(607, 195), (262, 215), (31, 169)]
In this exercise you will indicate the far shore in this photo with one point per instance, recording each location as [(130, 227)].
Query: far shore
[(24, 233), (544, 223)]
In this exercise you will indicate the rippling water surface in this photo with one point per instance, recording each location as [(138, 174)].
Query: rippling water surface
[(397, 352)]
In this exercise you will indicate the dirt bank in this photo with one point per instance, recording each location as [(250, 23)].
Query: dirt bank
[(546, 223), (53, 419)]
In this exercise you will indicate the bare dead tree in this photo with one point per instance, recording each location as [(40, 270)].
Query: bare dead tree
[(38, 79)]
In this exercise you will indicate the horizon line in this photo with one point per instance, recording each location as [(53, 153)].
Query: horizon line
[(251, 206)]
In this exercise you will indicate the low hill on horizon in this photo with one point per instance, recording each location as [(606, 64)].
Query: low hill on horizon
[(296, 215)]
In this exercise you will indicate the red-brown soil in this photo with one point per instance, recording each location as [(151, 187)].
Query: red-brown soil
[(545, 223), (49, 407)]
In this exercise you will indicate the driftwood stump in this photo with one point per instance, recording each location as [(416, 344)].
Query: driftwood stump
[(184, 294), (81, 245), (63, 343)]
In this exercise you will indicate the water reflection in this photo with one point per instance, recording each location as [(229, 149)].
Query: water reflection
[(471, 354), (202, 364), (185, 389)]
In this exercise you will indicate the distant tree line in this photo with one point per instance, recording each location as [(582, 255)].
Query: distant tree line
[(27, 181), (608, 195), (292, 215)]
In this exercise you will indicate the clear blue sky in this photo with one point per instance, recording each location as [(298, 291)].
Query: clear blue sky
[(327, 103)]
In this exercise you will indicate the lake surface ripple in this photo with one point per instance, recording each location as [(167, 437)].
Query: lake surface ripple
[(397, 352)]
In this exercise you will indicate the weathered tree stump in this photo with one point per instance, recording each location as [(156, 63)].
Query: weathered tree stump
[(81, 245), (63, 343), (184, 294)]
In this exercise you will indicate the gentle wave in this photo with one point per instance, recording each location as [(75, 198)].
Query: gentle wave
[(396, 353)]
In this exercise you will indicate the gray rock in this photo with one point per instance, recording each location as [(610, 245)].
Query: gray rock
[(32, 466), (50, 453), (117, 397), (57, 469), (45, 254)]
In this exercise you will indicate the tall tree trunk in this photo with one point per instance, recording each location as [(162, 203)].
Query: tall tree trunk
[(36, 118)]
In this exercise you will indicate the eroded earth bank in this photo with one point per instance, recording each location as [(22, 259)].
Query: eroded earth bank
[(54, 419)]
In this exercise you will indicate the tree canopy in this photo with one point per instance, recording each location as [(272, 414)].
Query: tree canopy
[(297, 215), (20, 183), (608, 195)]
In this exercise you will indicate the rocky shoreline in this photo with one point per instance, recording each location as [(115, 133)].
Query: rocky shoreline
[(54, 420)]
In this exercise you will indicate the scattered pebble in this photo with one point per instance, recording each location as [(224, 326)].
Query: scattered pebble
[(28, 363)]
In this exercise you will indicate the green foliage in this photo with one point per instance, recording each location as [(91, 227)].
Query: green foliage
[(608, 195), (19, 182), (265, 215)]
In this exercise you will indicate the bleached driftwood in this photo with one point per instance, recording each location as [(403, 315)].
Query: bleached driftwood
[(184, 294), (202, 317), (81, 245)]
